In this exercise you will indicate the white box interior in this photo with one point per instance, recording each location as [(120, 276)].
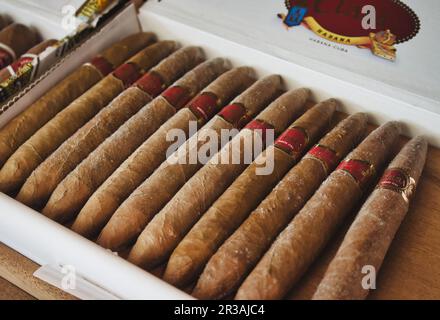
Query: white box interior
[(47, 242), (46, 21)]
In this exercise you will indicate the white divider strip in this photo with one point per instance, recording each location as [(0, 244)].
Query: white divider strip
[(65, 278)]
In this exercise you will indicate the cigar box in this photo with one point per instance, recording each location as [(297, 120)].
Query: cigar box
[(368, 76), (63, 21)]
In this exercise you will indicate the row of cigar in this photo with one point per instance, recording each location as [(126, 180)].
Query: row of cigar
[(19, 44), (91, 154)]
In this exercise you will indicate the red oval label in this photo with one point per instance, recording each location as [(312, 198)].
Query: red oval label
[(344, 17), (397, 180)]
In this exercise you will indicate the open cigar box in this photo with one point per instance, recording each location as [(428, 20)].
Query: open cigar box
[(249, 34)]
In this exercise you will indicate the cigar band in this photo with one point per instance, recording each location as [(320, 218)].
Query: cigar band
[(293, 141), (128, 73), (326, 156), (26, 59), (204, 106), (7, 55), (361, 171), (235, 114), (177, 96), (91, 9), (398, 180), (102, 65), (151, 83), (260, 125)]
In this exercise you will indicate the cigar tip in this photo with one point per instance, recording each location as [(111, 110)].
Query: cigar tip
[(420, 141), (200, 53), (248, 70), (36, 34), (17, 25), (149, 34), (272, 78), (197, 49), (331, 104), (332, 101), (363, 116), (396, 124), (141, 35), (223, 61), (171, 44), (305, 91)]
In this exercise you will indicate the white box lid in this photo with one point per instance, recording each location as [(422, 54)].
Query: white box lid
[(413, 77)]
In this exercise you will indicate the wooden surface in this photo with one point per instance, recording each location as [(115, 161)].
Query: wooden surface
[(411, 269), (17, 272), (10, 292)]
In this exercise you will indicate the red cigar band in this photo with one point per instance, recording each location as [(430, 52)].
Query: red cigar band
[(102, 64), (360, 170), (17, 65), (398, 180), (204, 106), (259, 125), (235, 114), (128, 73), (177, 96), (325, 155), (293, 141), (151, 83)]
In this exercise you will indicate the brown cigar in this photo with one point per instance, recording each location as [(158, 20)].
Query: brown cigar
[(180, 214), (369, 237), (277, 209), (4, 22), (99, 208), (48, 138), (44, 179), (134, 213), (72, 193), (26, 58), (229, 211), (23, 126), (15, 40), (300, 242)]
